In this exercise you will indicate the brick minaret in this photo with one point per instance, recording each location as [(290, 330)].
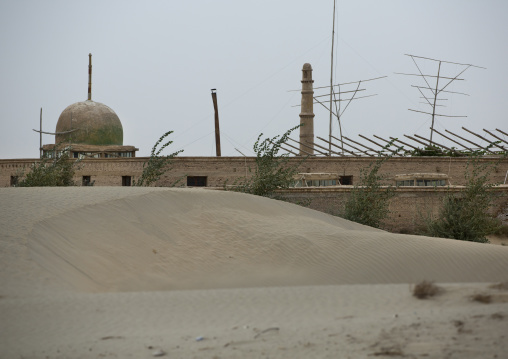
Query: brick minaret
[(307, 114)]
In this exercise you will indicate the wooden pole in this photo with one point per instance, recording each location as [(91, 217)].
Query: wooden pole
[(217, 131), (358, 143), (356, 148), (499, 138), (471, 142), (437, 144), (296, 148), (483, 138), (451, 139), (343, 149), (310, 147)]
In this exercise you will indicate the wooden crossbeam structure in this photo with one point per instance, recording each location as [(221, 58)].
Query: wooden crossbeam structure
[(415, 144)]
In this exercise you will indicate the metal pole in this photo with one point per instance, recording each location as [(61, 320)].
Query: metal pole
[(89, 77), (331, 83), (40, 136), (217, 132), (434, 107)]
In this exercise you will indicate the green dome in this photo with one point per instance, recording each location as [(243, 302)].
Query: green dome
[(93, 123)]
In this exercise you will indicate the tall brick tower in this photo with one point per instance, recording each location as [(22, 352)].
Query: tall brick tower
[(307, 111)]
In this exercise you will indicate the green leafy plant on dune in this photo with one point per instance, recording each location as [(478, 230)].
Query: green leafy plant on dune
[(157, 164), (465, 217), (50, 172), (273, 170), (368, 201)]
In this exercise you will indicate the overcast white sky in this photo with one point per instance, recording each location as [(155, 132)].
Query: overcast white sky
[(154, 63)]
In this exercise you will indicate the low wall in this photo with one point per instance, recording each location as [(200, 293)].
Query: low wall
[(221, 170), (409, 207)]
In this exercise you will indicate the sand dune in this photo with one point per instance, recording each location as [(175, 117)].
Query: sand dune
[(105, 272), (114, 239)]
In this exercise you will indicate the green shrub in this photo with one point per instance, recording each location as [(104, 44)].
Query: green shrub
[(434, 151), (156, 165), (50, 172), (272, 170), (368, 201), (465, 217)]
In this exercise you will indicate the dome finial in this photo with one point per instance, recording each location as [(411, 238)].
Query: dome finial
[(89, 77)]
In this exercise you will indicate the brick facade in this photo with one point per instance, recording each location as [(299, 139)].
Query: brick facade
[(220, 170), (408, 208)]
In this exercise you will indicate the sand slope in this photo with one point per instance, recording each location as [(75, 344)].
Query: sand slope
[(117, 239), (99, 273)]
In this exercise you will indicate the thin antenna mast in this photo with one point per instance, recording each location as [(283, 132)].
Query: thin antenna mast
[(434, 106), (90, 77), (40, 136), (331, 83), (437, 90)]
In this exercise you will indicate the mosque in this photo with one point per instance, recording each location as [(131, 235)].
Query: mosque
[(89, 129), (93, 133)]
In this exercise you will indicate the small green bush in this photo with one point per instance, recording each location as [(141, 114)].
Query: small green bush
[(272, 169), (368, 202), (156, 165), (434, 151), (466, 217), (49, 172)]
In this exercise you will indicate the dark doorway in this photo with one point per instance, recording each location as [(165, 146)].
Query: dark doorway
[(86, 181), (196, 181), (126, 181)]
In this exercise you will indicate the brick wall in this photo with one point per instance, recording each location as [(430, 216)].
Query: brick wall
[(220, 170), (409, 207)]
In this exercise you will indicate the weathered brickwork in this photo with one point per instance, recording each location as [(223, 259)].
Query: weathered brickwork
[(221, 170), (408, 208)]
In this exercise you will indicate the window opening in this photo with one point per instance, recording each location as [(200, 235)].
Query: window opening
[(196, 181), (346, 180)]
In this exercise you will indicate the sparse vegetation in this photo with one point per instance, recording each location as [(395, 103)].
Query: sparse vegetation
[(502, 231), (434, 151), (500, 286), (272, 170), (50, 172), (466, 217), (425, 289), (482, 298), (157, 165)]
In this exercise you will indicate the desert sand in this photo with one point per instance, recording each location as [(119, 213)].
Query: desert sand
[(194, 273)]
